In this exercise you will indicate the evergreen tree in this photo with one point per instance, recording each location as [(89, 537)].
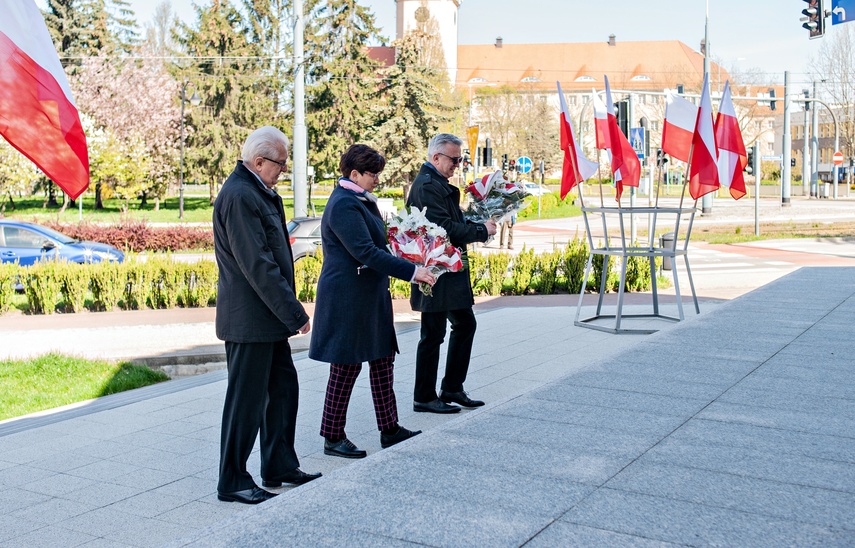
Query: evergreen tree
[(83, 28), (410, 113), (229, 76), (264, 26), (342, 79)]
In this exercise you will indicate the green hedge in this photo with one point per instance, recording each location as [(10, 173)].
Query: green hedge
[(161, 282)]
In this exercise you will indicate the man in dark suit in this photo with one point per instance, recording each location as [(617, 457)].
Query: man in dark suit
[(257, 310), (452, 298)]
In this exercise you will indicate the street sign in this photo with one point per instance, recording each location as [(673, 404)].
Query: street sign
[(837, 158), (524, 164), (778, 158), (636, 139), (842, 11)]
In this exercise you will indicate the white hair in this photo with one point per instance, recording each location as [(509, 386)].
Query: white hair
[(440, 141), (264, 141)]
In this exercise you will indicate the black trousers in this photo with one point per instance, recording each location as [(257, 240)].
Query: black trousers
[(433, 327), (262, 394)]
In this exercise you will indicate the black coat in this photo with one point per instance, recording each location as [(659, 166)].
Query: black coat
[(353, 320), (453, 290), (256, 299)]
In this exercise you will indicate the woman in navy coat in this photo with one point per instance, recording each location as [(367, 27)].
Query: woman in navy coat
[(353, 320)]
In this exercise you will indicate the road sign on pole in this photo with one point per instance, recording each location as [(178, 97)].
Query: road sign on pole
[(524, 164), (837, 158), (842, 11), (636, 139)]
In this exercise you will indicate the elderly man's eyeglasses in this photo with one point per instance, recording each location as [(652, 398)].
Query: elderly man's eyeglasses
[(454, 159), (282, 165)]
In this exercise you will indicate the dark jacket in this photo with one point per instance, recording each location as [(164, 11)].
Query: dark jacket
[(453, 290), (353, 320), (256, 299)]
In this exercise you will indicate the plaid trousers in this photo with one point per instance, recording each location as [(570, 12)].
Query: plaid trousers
[(340, 386)]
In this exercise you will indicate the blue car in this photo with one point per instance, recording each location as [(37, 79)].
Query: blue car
[(26, 243)]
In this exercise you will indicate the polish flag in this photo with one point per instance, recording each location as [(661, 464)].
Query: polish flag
[(576, 167), (732, 158), (680, 118), (601, 122), (703, 171), (37, 112), (625, 164)]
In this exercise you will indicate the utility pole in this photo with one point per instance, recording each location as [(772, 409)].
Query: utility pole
[(787, 153), (814, 150), (298, 179)]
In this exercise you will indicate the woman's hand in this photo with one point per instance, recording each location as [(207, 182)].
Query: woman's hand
[(424, 275)]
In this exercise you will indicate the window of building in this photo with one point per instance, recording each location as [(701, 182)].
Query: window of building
[(585, 79), (770, 148), (529, 79), (654, 125), (770, 124), (477, 80), (757, 125), (571, 99), (641, 78)]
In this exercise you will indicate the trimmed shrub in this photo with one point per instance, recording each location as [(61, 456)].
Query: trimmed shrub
[(477, 265), (74, 284), (108, 285), (572, 263), (546, 269), (497, 270), (138, 289), (522, 270), (307, 271), (400, 289), (43, 287), (138, 236), (9, 273)]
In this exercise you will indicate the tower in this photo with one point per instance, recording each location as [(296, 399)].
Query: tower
[(411, 13)]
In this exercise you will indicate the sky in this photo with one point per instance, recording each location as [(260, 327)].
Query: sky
[(765, 35)]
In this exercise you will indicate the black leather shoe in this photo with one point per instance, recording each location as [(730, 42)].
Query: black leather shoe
[(399, 436), (255, 495), (435, 406), (460, 398), (295, 476), (343, 448)]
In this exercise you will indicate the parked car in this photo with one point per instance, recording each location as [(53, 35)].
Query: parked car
[(27, 243), (305, 236), (535, 190)]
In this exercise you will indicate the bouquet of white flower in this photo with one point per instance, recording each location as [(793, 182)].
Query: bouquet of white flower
[(413, 238)]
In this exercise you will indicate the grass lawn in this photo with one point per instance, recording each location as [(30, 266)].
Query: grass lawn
[(53, 380), (197, 209)]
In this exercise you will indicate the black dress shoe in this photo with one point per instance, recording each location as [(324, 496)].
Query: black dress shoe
[(255, 495), (343, 448), (399, 436), (460, 398), (295, 476), (435, 406)]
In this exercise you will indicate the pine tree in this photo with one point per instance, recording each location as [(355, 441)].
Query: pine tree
[(229, 76), (410, 113), (342, 79)]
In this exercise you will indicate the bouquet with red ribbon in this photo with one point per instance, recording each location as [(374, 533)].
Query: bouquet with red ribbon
[(413, 238), (494, 198)]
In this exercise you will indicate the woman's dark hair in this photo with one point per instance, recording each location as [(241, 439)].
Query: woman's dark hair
[(362, 158)]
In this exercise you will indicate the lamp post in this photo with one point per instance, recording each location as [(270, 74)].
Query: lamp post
[(195, 100)]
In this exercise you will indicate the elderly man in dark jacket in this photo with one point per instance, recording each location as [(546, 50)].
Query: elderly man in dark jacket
[(257, 310), (452, 298)]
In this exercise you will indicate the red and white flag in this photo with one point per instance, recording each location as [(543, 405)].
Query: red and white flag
[(732, 158), (625, 164), (703, 169), (37, 112), (576, 167), (679, 128), (601, 122)]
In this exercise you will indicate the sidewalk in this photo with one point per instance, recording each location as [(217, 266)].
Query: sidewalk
[(733, 427)]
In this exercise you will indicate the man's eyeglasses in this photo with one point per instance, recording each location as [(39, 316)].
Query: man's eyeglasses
[(282, 165), (375, 176), (454, 159)]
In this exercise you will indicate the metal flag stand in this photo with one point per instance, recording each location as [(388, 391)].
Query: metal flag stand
[(677, 247)]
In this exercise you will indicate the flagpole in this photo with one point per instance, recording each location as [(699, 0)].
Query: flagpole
[(600, 179), (686, 178)]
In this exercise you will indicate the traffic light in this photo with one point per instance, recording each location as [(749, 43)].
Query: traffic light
[(504, 162), (792, 162), (513, 166), (814, 18), (466, 161), (661, 159), (749, 167), (772, 103), (622, 115)]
